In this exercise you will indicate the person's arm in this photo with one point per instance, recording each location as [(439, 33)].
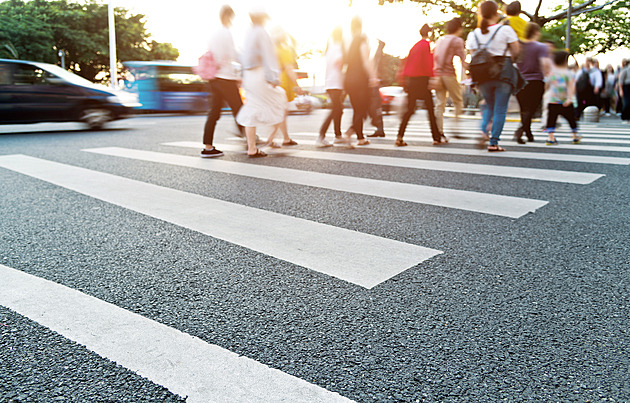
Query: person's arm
[(369, 67), (269, 59), (515, 49), (622, 79), (461, 53)]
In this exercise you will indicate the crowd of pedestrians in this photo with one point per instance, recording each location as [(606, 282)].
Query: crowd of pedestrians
[(516, 63)]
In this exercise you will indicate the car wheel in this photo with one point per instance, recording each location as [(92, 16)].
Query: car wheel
[(96, 117)]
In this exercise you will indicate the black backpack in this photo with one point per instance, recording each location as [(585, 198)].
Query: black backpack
[(483, 65), (583, 83)]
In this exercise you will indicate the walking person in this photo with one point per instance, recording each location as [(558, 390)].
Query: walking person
[(533, 64), (375, 104), (560, 89), (624, 91), (360, 76), (266, 100), (499, 41), (288, 82), (585, 88), (417, 71), (608, 92), (224, 87), (446, 48), (375, 109), (335, 56)]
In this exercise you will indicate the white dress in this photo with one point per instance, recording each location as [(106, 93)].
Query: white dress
[(265, 104)]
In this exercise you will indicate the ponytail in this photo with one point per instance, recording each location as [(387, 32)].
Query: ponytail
[(487, 10), (484, 26)]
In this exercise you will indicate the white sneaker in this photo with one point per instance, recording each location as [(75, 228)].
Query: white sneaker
[(322, 143), (339, 140)]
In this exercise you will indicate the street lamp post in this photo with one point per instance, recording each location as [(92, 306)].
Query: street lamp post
[(569, 12), (62, 55), (112, 46)]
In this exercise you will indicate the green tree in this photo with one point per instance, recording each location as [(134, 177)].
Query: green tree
[(602, 24), (39, 29)]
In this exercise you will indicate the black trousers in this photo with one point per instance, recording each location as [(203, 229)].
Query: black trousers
[(336, 98), (418, 88), (220, 92), (555, 110), (359, 94), (529, 99), (584, 98), (625, 112)]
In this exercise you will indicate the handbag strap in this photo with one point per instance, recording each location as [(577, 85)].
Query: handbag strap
[(491, 38)]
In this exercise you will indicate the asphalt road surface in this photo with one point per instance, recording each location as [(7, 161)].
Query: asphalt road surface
[(131, 270)]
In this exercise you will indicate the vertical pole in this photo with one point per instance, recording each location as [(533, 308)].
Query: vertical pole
[(112, 46), (569, 12)]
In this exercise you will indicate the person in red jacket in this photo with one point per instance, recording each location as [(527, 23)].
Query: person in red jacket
[(417, 71)]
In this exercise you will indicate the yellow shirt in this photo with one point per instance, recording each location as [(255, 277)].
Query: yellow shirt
[(519, 26), (285, 58)]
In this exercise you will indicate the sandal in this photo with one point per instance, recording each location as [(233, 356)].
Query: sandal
[(289, 143), (270, 145), (363, 142), (495, 148), (400, 143), (258, 154)]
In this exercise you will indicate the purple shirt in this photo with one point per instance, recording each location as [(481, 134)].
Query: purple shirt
[(531, 53)]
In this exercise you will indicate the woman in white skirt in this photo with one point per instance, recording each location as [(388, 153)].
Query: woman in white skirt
[(266, 102)]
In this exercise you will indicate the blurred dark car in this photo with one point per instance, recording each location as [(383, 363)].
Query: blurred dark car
[(33, 92)]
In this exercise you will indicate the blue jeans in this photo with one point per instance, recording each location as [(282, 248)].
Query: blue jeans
[(497, 95)]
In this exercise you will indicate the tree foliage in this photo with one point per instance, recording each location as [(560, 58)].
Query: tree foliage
[(597, 25), (37, 30)]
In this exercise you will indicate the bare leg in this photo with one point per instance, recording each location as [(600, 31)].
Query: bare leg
[(250, 133)]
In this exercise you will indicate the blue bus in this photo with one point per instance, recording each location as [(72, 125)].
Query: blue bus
[(165, 86)]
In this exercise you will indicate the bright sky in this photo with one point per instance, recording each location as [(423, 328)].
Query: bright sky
[(187, 24)]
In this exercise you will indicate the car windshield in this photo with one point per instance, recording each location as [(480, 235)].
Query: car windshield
[(66, 75)]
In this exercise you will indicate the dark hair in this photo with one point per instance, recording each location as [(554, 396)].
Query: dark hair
[(453, 25), (424, 31), (560, 57), (514, 8), (487, 9), (531, 30)]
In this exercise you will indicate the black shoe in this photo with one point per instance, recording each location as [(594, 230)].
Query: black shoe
[(377, 134), (205, 153), (518, 140), (530, 139)]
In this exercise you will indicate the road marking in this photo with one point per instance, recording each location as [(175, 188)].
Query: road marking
[(362, 259), (547, 156), (581, 178), (509, 129), (184, 364), (540, 144), (506, 206)]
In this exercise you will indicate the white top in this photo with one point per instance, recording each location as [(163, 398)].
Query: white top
[(596, 77), (334, 63), (224, 52), (499, 43), (258, 51)]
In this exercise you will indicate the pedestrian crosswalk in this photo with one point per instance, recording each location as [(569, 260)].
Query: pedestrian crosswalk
[(289, 238), (184, 364)]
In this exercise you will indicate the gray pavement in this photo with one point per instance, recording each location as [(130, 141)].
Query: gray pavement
[(512, 309)]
